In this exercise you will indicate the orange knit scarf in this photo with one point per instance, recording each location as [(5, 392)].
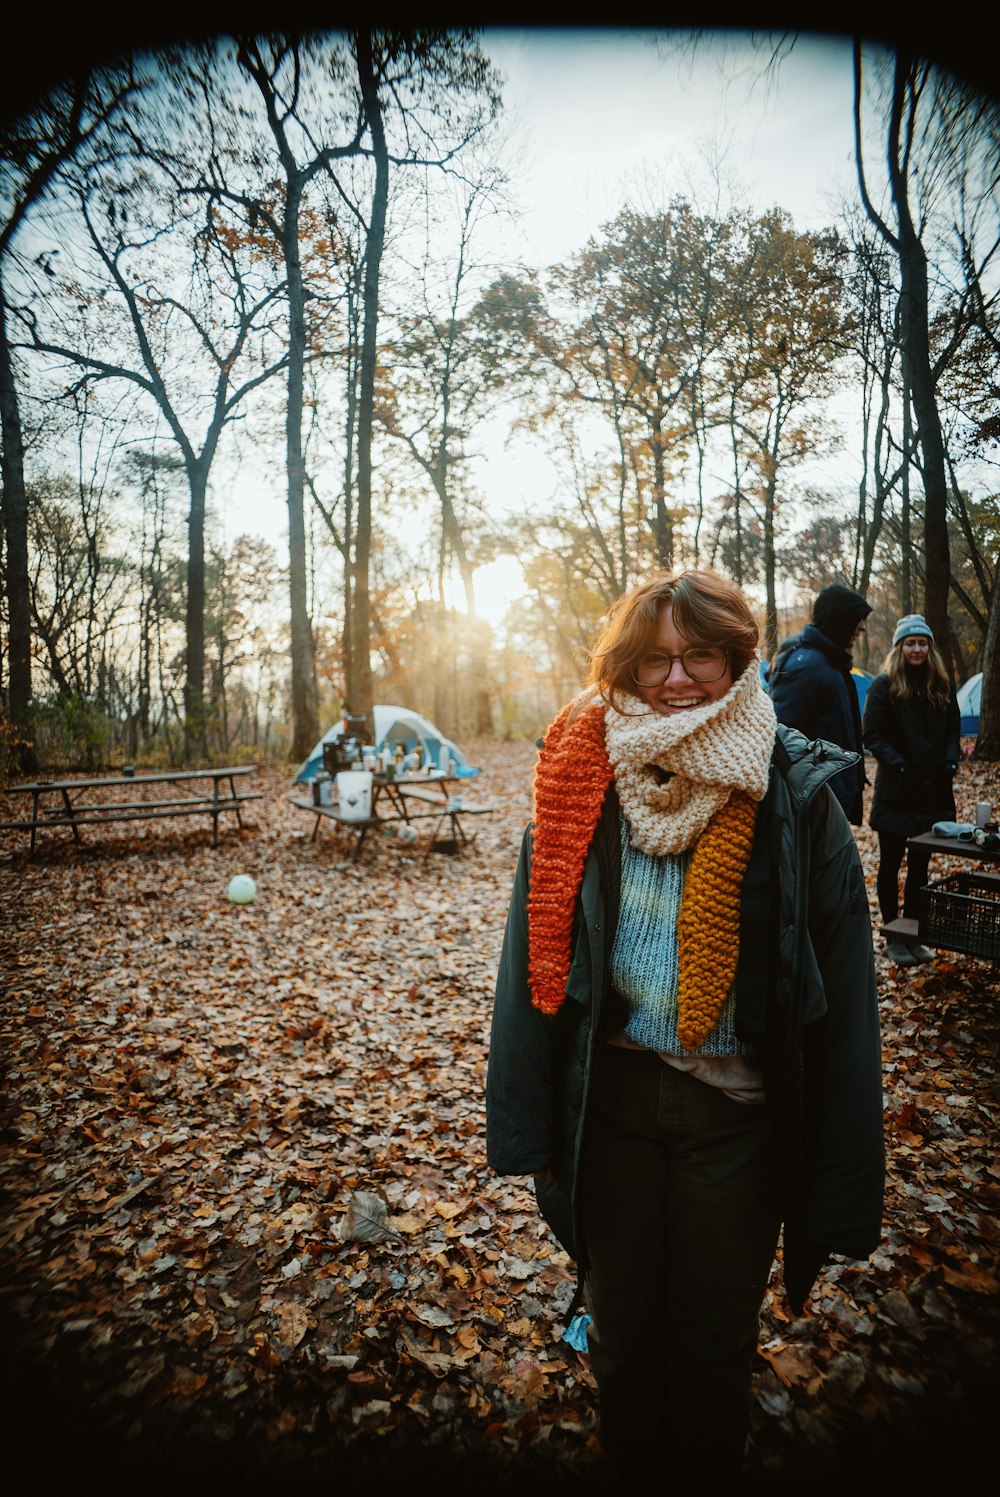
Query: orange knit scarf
[(571, 781)]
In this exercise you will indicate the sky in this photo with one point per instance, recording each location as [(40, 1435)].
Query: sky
[(591, 111), (594, 111), (595, 107)]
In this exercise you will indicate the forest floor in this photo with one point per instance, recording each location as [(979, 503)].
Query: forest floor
[(249, 1235)]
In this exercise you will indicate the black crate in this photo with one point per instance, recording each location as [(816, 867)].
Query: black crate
[(962, 913)]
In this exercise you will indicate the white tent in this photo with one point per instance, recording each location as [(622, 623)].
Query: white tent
[(396, 725), (970, 698)]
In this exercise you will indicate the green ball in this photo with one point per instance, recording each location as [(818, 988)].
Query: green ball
[(242, 889)]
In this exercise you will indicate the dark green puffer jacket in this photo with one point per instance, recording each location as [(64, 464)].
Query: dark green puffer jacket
[(805, 994)]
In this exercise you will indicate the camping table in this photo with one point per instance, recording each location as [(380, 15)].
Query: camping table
[(955, 847), (905, 927), (398, 789), (406, 798), (75, 807)]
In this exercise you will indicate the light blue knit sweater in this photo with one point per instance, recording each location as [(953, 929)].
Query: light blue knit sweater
[(644, 958)]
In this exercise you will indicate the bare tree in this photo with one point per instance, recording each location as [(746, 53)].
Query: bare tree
[(425, 95), (196, 346), (34, 152), (292, 76), (445, 365), (786, 351), (911, 87)]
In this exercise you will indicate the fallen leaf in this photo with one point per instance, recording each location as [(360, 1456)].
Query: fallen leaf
[(432, 1315), (293, 1322), (366, 1218)]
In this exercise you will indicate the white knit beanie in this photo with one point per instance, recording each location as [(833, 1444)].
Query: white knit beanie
[(914, 623)]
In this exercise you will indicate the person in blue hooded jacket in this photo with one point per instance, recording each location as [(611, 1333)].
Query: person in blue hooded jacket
[(812, 689)]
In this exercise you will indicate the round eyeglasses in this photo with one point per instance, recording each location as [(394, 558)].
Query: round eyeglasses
[(701, 663)]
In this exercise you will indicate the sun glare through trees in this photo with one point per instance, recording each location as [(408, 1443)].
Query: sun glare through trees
[(447, 336)]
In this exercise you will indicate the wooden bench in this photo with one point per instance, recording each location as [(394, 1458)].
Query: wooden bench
[(445, 809), (901, 929), (416, 792), (75, 811), (456, 814)]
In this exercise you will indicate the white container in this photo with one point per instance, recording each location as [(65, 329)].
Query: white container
[(354, 794), (984, 812)]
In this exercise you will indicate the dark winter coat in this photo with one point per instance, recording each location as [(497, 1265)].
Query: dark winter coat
[(812, 690), (805, 995), (918, 749)]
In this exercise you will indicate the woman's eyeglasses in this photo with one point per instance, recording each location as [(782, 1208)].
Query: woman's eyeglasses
[(701, 663)]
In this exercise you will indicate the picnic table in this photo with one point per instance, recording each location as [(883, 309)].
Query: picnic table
[(413, 796), (960, 913), (76, 806)]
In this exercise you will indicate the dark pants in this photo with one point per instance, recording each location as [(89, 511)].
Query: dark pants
[(891, 851), (681, 1218)]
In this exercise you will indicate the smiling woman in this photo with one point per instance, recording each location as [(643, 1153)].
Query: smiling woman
[(680, 841)]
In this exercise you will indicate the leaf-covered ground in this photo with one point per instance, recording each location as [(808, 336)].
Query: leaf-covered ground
[(249, 1236)]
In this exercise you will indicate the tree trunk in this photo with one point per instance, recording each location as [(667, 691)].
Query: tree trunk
[(737, 511), (360, 689), (918, 376), (920, 381), (988, 738), (771, 616), (350, 428), (15, 528), (195, 743), (873, 530), (906, 515), (663, 528), (305, 715)]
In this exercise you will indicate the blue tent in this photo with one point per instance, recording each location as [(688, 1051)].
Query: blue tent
[(397, 725), (970, 699), (862, 681)]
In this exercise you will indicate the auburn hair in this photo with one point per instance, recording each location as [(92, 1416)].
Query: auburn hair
[(900, 686), (707, 609)]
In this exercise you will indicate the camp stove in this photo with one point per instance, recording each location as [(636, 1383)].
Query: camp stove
[(346, 751)]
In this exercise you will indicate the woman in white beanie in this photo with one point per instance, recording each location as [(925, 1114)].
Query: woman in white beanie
[(911, 725)]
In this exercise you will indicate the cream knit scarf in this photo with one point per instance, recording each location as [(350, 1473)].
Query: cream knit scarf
[(708, 752)]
